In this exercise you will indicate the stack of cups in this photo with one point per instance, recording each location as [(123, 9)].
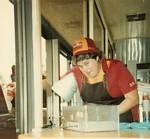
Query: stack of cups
[(146, 107)]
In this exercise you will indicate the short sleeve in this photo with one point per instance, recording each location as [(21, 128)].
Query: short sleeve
[(126, 81)]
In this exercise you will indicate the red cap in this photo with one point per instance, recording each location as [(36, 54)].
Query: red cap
[(84, 45)]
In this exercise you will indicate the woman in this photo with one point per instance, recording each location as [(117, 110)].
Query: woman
[(103, 81)]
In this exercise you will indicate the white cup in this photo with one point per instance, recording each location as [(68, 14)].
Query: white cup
[(66, 87)]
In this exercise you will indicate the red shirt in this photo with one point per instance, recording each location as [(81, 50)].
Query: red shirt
[(118, 78)]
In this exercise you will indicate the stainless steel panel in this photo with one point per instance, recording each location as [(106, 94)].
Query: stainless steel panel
[(133, 49)]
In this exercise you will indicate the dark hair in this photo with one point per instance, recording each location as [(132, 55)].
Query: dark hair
[(13, 68), (82, 57), (13, 73)]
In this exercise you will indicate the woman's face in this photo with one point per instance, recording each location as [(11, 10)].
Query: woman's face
[(89, 67)]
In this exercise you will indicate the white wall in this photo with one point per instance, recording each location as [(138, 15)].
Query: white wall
[(7, 39)]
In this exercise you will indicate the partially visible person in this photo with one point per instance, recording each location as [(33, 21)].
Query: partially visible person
[(46, 93), (46, 90), (13, 73), (44, 84), (11, 93), (104, 81), (11, 87)]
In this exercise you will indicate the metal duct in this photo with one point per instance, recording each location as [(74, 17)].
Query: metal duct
[(133, 49)]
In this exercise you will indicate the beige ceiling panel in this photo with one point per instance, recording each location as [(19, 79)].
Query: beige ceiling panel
[(66, 16)]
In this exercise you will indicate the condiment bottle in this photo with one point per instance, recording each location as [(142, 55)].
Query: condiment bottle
[(146, 107)]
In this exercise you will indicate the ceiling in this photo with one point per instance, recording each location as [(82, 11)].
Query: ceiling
[(66, 16)]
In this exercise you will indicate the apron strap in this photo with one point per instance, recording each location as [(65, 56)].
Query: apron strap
[(105, 65)]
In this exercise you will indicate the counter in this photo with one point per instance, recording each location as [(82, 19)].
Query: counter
[(68, 134)]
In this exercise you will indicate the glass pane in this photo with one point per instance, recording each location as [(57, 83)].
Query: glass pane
[(98, 31), (7, 40), (43, 48), (63, 65)]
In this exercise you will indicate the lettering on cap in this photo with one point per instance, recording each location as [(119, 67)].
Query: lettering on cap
[(77, 45)]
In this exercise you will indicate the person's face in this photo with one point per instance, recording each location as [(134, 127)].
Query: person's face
[(89, 67)]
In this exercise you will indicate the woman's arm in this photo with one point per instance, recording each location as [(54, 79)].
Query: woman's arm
[(131, 100)]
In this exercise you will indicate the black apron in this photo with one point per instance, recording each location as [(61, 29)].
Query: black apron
[(98, 94)]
